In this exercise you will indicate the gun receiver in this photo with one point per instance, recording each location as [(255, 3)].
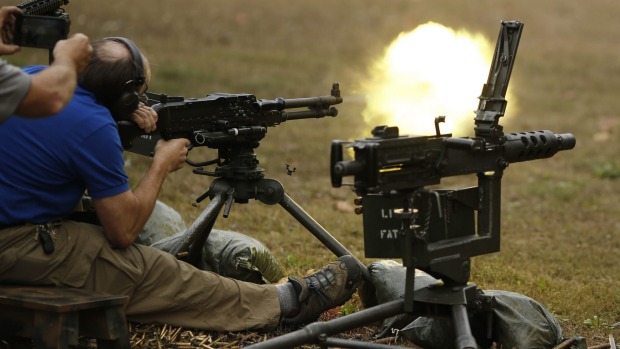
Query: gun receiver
[(388, 161), (222, 120)]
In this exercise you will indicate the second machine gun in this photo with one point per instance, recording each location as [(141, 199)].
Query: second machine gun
[(391, 172), (434, 230), (439, 230), (234, 125)]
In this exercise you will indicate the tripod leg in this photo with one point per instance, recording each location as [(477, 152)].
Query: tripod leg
[(460, 321), (198, 233), (313, 332), (318, 231), (315, 228)]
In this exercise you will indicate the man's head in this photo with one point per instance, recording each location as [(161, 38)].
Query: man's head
[(117, 74)]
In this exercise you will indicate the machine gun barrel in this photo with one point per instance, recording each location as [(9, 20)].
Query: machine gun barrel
[(310, 102), (525, 146), (317, 106), (311, 113), (290, 103)]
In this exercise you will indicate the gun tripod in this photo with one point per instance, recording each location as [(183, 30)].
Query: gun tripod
[(435, 232), (453, 302), (239, 180)]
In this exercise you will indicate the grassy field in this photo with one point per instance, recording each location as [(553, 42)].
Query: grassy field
[(560, 225)]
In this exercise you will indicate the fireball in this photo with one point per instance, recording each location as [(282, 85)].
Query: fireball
[(428, 72)]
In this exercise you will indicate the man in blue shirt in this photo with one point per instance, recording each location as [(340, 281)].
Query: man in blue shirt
[(47, 164)]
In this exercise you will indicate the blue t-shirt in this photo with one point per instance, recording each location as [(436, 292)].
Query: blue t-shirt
[(47, 164)]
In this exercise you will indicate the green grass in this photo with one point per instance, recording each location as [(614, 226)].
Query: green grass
[(560, 226)]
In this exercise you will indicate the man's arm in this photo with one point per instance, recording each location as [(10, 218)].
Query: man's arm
[(123, 215), (52, 88)]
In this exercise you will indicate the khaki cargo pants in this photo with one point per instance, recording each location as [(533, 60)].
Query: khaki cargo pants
[(160, 288)]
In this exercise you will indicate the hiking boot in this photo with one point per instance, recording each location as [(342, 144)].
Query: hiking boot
[(327, 288)]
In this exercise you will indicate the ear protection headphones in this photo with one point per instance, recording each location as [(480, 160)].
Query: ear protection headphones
[(129, 98)]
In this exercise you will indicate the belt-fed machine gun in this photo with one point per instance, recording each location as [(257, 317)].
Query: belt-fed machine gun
[(234, 125), (436, 231)]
